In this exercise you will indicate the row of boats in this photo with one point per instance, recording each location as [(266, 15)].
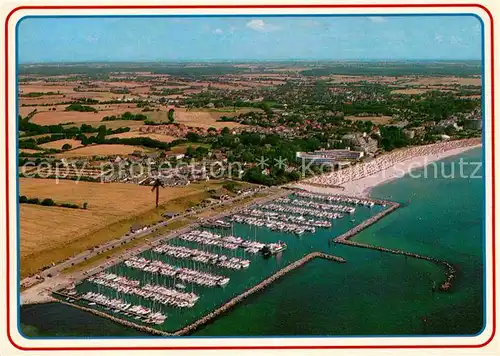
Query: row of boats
[(120, 306), (228, 242), (156, 293), (206, 257), (221, 224), (318, 206), (275, 216), (302, 211), (335, 198), (272, 224), (184, 274)]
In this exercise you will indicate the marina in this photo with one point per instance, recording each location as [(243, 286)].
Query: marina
[(189, 279)]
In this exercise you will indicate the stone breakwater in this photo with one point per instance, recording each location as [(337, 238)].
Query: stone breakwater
[(220, 310), (345, 239), (127, 323), (257, 288)]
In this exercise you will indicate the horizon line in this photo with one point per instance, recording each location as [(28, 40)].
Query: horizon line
[(187, 60)]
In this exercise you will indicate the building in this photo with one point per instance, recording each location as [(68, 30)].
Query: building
[(473, 124), (409, 133), (361, 142), (340, 157)]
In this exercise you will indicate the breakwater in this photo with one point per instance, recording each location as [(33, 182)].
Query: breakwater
[(345, 239), (220, 310), (370, 221), (130, 324), (257, 288)]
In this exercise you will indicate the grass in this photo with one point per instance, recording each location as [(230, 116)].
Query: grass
[(100, 150), (52, 234), (60, 143), (183, 146)]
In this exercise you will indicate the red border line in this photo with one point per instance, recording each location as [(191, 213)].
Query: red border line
[(206, 7)]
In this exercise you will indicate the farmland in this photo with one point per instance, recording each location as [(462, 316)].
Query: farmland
[(60, 143), (196, 118), (51, 234), (100, 150)]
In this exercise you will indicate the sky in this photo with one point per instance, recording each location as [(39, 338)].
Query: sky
[(249, 38)]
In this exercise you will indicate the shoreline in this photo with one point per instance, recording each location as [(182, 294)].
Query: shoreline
[(362, 187)]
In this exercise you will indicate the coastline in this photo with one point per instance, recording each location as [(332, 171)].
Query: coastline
[(363, 187)]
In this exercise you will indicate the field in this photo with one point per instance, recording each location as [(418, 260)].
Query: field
[(446, 81), (154, 136), (410, 91), (28, 150), (196, 118), (100, 150), (60, 143), (380, 120), (62, 117), (182, 147), (51, 234)]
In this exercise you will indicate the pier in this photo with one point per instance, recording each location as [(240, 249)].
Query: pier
[(345, 239), (257, 288)]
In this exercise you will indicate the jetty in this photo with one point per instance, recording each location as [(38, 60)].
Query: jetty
[(257, 288), (345, 239)]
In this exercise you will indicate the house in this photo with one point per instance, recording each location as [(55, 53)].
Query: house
[(409, 133), (361, 142)]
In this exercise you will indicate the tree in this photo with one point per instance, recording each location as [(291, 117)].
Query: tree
[(66, 146), (171, 116), (193, 137), (85, 205), (156, 186), (190, 151), (225, 131), (48, 202)]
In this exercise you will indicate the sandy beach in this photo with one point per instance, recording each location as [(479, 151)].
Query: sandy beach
[(360, 179)]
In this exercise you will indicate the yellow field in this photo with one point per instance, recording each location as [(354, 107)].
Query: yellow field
[(410, 91), (60, 116), (100, 150), (446, 81), (60, 143), (196, 118), (154, 136), (382, 120), (51, 234), (28, 150)]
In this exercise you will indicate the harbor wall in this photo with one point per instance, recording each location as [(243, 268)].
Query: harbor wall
[(257, 288), (127, 323), (345, 239)]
